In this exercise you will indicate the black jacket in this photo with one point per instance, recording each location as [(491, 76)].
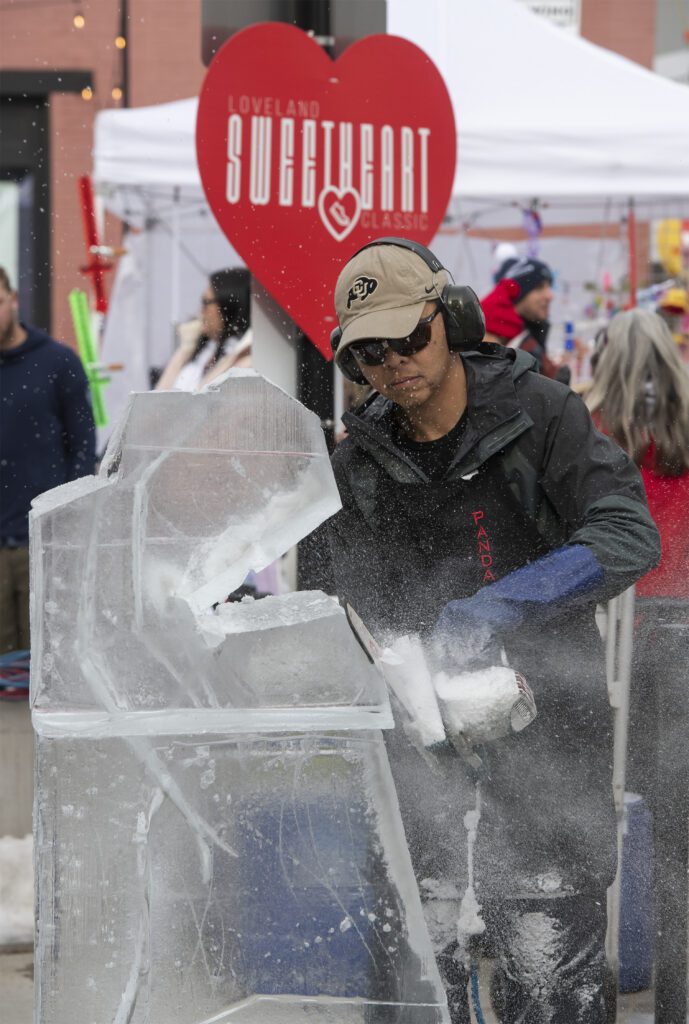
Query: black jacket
[(532, 473), (47, 434)]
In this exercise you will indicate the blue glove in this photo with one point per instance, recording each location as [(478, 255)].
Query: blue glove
[(467, 631)]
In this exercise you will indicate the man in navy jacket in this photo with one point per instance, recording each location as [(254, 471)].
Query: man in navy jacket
[(47, 437)]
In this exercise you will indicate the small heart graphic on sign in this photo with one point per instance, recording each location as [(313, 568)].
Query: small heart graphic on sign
[(339, 210), (299, 154)]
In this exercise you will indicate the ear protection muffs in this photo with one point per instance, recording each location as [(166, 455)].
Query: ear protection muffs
[(465, 325)]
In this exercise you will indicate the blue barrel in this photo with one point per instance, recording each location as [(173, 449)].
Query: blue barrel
[(316, 898), (636, 897)]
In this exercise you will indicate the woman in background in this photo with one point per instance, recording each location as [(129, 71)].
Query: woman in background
[(220, 341), (640, 397)]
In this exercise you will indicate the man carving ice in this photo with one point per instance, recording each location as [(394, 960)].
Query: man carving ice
[(483, 514)]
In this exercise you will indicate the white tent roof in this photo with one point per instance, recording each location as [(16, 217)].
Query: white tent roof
[(151, 147), (540, 113), (544, 113)]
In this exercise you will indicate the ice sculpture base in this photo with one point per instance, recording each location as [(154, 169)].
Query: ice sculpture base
[(293, 1010), (225, 876)]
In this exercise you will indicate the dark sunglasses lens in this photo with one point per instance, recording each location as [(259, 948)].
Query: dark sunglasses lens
[(414, 342), (370, 353)]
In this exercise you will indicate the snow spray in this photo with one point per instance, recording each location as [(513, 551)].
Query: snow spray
[(484, 705), (470, 922), (408, 677)]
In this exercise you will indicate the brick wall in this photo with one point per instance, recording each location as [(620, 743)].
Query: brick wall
[(164, 41), (166, 50), (625, 26)]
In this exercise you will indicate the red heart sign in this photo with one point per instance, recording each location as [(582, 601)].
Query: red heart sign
[(304, 160)]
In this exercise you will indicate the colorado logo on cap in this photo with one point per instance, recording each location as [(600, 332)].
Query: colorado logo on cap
[(361, 289)]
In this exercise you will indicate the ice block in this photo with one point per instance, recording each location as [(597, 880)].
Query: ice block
[(217, 832)]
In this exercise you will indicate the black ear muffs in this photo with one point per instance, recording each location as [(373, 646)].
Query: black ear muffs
[(465, 325)]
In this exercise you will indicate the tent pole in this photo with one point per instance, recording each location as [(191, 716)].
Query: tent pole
[(631, 238), (150, 325), (619, 646), (175, 260)]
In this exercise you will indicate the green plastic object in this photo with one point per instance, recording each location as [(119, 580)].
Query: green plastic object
[(81, 317)]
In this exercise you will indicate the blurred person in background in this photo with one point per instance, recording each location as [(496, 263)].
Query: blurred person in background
[(220, 340), (640, 397), (517, 309), (47, 437)]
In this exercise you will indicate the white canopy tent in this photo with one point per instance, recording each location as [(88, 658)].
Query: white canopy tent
[(541, 115)]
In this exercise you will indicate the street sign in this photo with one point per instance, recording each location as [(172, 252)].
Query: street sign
[(563, 13)]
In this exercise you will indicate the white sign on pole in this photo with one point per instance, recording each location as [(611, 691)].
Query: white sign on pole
[(563, 13)]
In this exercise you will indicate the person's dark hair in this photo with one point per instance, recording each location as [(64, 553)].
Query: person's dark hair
[(232, 290), (5, 280)]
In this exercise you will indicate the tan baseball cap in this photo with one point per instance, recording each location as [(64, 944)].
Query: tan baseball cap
[(381, 293)]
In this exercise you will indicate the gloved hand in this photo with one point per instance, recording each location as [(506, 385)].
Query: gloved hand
[(469, 631)]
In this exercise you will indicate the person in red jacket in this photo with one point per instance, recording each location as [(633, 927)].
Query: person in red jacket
[(640, 397), (517, 309)]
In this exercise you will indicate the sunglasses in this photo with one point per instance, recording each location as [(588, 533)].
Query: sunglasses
[(372, 352)]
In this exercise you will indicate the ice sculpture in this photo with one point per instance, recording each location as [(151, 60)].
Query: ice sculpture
[(217, 832)]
